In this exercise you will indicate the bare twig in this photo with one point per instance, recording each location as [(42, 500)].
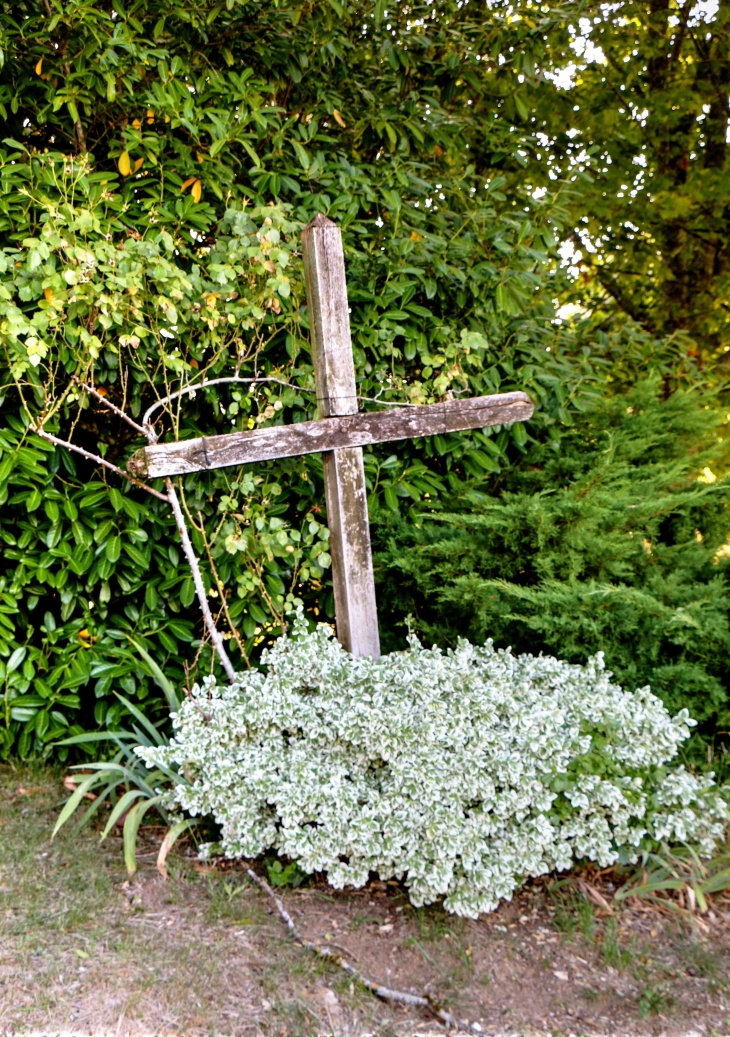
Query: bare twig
[(214, 632), (216, 381), (384, 993), (97, 459), (221, 589), (111, 406)]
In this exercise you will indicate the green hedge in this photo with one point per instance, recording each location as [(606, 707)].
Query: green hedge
[(618, 542)]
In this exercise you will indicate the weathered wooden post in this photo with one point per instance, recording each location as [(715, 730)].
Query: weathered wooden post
[(356, 614)]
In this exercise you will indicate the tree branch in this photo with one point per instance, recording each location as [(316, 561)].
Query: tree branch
[(78, 126), (612, 287), (111, 406), (384, 993), (214, 381), (215, 634), (97, 459), (221, 589)]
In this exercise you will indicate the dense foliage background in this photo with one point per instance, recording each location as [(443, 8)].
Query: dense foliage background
[(158, 165)]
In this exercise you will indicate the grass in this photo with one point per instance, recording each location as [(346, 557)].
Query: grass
[(84, 948)]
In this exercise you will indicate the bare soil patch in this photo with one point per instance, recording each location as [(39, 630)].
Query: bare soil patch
[(85, 949)]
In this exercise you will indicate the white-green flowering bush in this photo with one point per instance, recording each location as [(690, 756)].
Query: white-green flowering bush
[(461, 772)]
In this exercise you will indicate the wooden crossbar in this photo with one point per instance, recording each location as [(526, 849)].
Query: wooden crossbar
[(333, 433)]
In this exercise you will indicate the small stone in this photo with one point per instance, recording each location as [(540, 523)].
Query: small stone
[(562, 976)]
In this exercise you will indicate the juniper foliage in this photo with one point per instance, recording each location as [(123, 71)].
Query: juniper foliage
[(614, 543)]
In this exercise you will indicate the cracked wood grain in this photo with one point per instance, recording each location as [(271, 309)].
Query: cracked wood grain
[(311, 437)]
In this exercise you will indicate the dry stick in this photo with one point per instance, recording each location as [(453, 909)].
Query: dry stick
[(385, 993), (215, 634), (172, 499), (221, 592), (111, 406), (97, 460), (218, 582), (169, 498)]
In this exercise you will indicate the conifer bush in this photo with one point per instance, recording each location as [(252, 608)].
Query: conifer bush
[(616, 542), (461, 772)]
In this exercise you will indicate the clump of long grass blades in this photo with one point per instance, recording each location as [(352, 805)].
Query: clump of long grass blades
[(129, 787), (678, 880)]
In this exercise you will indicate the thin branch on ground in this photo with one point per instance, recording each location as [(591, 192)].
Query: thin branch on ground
[(97, 459), (384, 993)]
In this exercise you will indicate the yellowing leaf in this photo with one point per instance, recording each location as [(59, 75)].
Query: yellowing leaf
[(48, 293), (39, 67), (137, 124), (415, 236), (190, 180), (150, 115), (138, 164), (197, 191), (124, 166), (338, 119)]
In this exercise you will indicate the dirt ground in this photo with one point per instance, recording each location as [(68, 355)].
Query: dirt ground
[(85, 950)]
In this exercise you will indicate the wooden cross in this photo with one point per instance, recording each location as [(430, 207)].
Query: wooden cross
[(339, 434)]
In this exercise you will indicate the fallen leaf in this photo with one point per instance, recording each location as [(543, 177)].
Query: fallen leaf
[(592, 893), (71, 782)]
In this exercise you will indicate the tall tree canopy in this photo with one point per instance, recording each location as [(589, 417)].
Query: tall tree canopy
[(640, 100)]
